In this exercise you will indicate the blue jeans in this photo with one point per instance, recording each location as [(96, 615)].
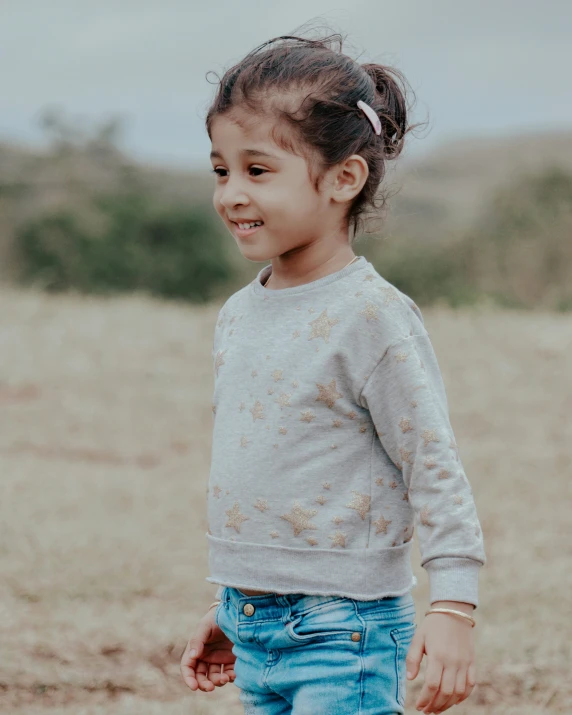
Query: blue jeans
[(318, 655)]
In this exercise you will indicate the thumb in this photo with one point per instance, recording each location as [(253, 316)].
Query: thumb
[(196, 643), (414, 656)]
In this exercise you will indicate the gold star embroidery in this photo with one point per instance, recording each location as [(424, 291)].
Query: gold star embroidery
[(328, 393), (300, 518), (321, 499), (241, 407), (311, 310), (352, 415), (363, 428), (337, 520), (453, 446), (261, 504), (254, 373), (389, 294), (401, 356), (430, 462), (405, 455), (358, 293), (244, 441), (336, 423), (322, 326), (405, 496), (311, 541), (284, 399), (381, 525), (429, 436), (219, 360), (458, 499), (405, 424), (231, 331), (393, 484), (217, 491), (307, 416), (257, 411), (235, 518), (270, 391), (283, 430), (227, 491), (360, 502), (295, 383), (296, 334), (379, 481), (338, 539), (413, 403), (370, 311), (275, 446), (424, 516), (326, 485), (277, 375), (274, 534), (443, 474), (369, 277)]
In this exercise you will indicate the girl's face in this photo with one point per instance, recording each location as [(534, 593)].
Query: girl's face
[(258, 181)]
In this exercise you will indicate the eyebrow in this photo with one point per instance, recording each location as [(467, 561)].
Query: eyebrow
[(247, 152)]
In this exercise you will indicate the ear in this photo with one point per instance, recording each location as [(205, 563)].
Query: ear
[(349, 178)]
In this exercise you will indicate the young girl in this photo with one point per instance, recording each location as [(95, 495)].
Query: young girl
[(331, 436)]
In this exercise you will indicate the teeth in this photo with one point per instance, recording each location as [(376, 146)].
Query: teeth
[(249, 225)]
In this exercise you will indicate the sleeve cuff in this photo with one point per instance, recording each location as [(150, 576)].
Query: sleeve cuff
[(453, 579)]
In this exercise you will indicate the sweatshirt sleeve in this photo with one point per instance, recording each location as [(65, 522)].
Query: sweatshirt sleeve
[(406, 397)]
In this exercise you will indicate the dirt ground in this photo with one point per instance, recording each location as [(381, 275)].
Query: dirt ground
[(105, 418)]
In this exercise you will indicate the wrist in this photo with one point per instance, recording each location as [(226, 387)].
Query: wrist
[(457, 605)]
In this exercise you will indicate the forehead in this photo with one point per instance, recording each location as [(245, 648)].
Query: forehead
[(237, 132)]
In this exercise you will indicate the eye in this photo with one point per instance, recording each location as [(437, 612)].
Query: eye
[(252, 168)]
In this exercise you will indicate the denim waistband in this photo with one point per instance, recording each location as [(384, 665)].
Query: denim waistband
[(271, 606)]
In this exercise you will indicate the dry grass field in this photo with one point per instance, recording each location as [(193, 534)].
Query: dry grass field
[(105, 419)]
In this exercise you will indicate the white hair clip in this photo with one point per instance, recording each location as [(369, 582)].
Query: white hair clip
[(371, 115)]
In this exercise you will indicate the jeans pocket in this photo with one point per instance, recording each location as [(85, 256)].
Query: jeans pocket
[(402, 637), (336, 620)]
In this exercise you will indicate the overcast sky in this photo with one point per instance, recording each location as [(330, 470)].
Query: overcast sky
[(489, 67)]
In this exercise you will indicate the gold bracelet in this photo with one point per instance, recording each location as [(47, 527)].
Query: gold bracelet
[(214, 603), (451, 610)]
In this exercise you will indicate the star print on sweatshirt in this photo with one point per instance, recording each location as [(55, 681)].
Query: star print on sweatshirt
[(332, 445)]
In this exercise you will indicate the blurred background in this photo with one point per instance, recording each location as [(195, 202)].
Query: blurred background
[(114, 264)]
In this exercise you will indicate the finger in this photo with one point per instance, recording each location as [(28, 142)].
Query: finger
[(414, 655), (204, 683), (187, 668), (446, 690), (217, 676), (459, 693), (432, 682)]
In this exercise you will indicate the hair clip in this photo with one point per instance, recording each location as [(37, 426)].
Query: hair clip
[(371, 115)]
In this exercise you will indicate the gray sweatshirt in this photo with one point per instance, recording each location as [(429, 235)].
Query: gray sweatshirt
[(332, 442)]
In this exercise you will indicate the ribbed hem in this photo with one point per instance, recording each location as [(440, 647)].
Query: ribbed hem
[(453, 579), (264, 273), (361, 574)]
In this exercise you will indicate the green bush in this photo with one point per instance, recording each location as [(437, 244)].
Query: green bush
[(174, 252)]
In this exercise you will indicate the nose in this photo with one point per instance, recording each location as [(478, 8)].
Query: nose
[(232, 194)]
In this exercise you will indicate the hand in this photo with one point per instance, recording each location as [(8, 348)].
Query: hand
[(448, 642), (212, 650)]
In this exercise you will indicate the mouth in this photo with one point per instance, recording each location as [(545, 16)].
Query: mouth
[(244, 232)]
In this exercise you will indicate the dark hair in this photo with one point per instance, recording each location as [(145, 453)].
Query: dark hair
[(310, 86)]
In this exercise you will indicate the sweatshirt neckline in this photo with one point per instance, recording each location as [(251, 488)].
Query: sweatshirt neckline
[(264, 274)]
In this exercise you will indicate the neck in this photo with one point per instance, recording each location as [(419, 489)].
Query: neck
[(305, 274)]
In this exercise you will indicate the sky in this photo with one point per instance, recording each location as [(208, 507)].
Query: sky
[(493, 67)]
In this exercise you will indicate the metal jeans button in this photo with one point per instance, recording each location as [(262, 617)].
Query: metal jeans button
[(248, 609)]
